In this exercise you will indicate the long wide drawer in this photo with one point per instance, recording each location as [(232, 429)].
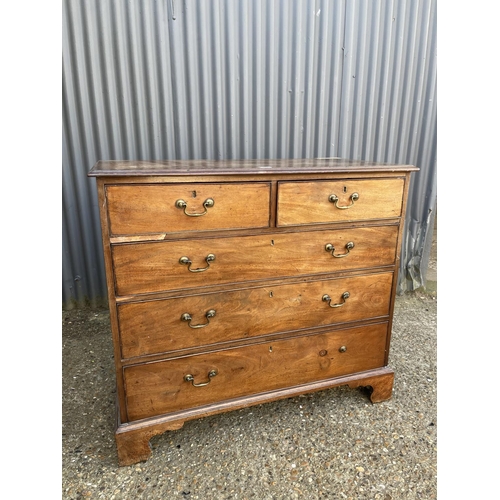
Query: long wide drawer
[(163, 208), (336, 201), (171, 265), (167, 386), (158, 326)]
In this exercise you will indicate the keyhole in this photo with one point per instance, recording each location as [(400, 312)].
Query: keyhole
[(345, 189), (272, 242), (270, 348), (271, 294), (194, 194)]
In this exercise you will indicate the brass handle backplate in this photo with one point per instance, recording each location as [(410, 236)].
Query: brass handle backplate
[(208, 315), (331, 249), (333, 198), (208, 203), (190, 378), (187, 262), (326, 298)]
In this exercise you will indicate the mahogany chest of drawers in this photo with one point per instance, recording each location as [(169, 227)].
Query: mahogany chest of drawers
[(233, 283)]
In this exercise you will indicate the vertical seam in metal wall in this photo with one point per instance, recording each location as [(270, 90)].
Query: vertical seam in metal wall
[(173, 73), (342, 69)]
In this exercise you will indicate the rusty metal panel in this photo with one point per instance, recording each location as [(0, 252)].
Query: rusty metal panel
[(180, 79)]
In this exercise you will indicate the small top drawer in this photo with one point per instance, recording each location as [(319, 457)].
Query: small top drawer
[(162, 208), (335, 201)]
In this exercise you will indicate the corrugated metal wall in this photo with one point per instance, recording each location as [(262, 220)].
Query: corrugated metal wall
[(180, 79)]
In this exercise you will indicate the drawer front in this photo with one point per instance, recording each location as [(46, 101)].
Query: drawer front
[(170, 265), (161, 325), (160, 387), (336, 201), (142, 209)]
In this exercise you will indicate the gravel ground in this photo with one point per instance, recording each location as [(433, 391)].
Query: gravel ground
[(331, 444)]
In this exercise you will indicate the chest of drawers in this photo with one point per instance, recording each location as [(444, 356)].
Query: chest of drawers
[(233, 283)]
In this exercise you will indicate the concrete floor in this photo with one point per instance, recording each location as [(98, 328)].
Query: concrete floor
[(331, 444)]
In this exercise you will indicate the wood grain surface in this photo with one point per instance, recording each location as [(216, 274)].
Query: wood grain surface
[(156, 326), (153, 267), (160, 387), (255, 167), (143, 208), (308, 202)]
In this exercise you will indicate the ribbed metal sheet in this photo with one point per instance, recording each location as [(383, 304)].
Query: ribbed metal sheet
[(176, 79)]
